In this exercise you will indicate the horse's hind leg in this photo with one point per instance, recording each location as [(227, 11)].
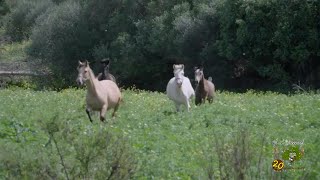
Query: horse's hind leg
[(116, 108), (88, 113), (210, 99), (204, 98)]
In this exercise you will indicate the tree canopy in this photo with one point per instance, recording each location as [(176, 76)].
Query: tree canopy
[(265, 44)]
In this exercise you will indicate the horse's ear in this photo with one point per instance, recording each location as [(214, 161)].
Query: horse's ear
[(108, 62), (86, 63), (195, 68), (174, 66), (182, 66), (80, 63)]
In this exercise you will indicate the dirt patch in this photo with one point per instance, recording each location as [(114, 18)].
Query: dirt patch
[(36, 67)]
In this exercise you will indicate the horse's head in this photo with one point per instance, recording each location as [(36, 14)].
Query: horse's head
[(83, 72), (198, 73), (178, 71)]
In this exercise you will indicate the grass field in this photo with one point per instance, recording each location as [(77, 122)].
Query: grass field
[(12, 51), (46, 134)]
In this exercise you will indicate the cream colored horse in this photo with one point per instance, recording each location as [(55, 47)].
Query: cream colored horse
[(101, 95)]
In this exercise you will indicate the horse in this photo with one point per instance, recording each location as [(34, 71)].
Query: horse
[(104, 71), (179, 88), (101, 95), (205, 89)]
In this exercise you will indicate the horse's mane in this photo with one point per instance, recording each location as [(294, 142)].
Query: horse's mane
[(91, 73)]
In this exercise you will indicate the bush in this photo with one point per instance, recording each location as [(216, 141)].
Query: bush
[(65, 153), (75, 31), (60, 38), (23, 17), (4, 9)]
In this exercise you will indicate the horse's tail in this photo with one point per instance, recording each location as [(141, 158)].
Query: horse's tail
[(210, 79)]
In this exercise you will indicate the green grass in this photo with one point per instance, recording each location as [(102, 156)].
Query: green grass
[(14, 51), (233, 134), (2, 31)]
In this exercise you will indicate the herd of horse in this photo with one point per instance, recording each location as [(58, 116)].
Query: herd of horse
[(104, 94)]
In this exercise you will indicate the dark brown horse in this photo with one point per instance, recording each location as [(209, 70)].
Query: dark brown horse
[(205, 89), (104, 73)]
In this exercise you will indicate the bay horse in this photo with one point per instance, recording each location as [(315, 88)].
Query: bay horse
[(179, 88), (205, 89), (101, 95)]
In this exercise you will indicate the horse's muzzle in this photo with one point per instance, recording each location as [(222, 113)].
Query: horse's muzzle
[(79, 81), (197, 79), (179, 82)]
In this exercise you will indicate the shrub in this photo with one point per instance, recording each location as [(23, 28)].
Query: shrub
[(120, 51), (4, 9), (65, 153), (23, 17), (75, 31), (234, 154), (60, 38)]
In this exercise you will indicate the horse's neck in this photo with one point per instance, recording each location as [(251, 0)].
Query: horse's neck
[(92, 83), (202, 80)]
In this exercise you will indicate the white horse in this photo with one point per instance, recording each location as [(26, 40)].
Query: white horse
[(101, 95), (179, 88)]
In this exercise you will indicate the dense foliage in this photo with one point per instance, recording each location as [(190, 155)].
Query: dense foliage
[(242, 43), (47, 135), (4, 9), (22, 18)]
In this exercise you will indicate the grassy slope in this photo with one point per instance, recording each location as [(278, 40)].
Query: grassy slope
[(171, 145), (12, 52)]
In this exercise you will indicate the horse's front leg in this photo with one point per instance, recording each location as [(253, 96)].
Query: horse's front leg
[(204, 98), (177, 107), (187, 103), (103, 112), (88, 113), (198, 100)]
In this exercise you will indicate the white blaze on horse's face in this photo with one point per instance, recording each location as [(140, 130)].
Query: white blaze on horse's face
[(198, 73), (83, 74), (178, 71)]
